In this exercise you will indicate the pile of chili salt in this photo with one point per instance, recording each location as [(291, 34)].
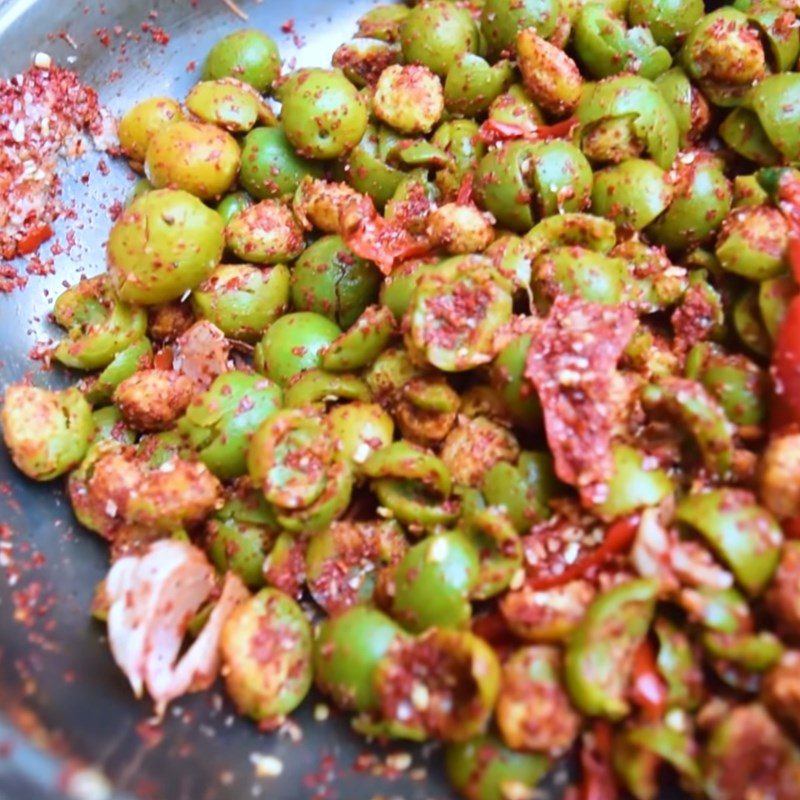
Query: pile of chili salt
[(46, 113)]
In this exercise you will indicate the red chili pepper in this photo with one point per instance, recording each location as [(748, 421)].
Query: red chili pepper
[(788, 199), (789, 194), (781, 416), (383, 242), (597, 779), (33, 238), (794, 253), (464, 196), (785, 406), (619, 537), (386, 245), (493, 131), (163, 358), (558, 129), (791, 528), (648, 690)]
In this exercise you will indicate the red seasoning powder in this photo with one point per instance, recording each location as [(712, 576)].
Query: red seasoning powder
[(45, 114)]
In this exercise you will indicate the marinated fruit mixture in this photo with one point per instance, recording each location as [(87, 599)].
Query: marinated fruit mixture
[(484, 343)]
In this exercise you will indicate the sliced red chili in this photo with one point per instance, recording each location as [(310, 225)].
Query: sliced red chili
[(788, 200), (785, 406), (464, 196), (794, 253), (618, 539), (163, 358), (791, 528), (33, 238), (380, 241), (597, 776), (493, 131), (558, 129)]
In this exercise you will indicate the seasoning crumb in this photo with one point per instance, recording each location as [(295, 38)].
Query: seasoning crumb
[(321, 712), (42, 61), (516, 790), (292, 731), (266, 766), (49, 115), (398, 761)]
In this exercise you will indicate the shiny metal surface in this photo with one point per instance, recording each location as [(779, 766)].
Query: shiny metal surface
[(57, 679), (60, 692)]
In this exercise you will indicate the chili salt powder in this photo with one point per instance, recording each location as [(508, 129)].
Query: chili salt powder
[(46, 114)]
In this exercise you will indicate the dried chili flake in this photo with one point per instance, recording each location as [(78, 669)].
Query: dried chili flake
[(38, 266), (46, 112), (33, 238), (695, 319), (10, 279), (103, 36), (157, 33), (572, 364), (115, 210)]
